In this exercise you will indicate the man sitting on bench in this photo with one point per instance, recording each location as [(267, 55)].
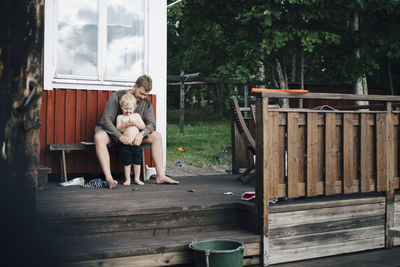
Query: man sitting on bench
[(106, 132)]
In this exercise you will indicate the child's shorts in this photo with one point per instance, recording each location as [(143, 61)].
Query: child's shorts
[(132, 154)]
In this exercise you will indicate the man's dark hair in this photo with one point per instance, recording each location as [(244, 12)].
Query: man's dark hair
[(145, 81)]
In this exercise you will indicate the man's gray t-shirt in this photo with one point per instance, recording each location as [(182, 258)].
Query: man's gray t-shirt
[(113, 109)]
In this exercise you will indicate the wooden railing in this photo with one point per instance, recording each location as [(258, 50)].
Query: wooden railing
[(308, 153), (314, 153)]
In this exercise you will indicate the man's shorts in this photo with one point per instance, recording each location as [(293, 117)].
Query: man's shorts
[(132, 154)]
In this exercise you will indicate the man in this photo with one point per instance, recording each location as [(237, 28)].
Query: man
[(106, 131)]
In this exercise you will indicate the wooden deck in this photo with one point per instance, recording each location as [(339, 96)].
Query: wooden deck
[(149, 227)]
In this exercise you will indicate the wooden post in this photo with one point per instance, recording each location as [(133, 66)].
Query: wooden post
[(182, 105), (221, 97), (235, 163), (246, 99), (389, 240), (262, 180)]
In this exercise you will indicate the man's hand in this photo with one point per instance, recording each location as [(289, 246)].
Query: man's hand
[(138, 139), (125, 140)]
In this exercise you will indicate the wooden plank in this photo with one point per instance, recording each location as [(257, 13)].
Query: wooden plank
[(59, 117), (234, 149), (91, 120), (83, 116), (320, 227), (396, 145), (348, 159), (294, 167), (366, 167), (381, 136), (325, 203), (50, 160), (181, 220), (70, 125), (331, 154), (274, 166), (324, 238), (390, 199), (147, 151), (331, 96), (312, 154), (101, 103), (159, 259), (42, 135), (80, 130), (321, 150), (282, 154), (326, 214), (262, 172), (91, 113), (326, 250)]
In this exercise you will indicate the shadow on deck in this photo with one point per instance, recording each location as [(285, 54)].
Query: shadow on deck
[(149, 227)]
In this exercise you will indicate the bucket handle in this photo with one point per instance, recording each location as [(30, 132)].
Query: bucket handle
[(207, 253)]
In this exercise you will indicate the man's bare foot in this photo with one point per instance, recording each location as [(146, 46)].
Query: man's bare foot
[(127, 182), (112, 183), (165, 180), (137, 181)]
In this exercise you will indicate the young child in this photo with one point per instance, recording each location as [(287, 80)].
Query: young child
[(129, 124)]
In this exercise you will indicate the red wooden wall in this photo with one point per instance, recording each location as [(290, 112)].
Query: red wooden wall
[(69, 116)]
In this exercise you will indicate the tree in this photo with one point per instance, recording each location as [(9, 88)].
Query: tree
[(21, 44), (253, 39)]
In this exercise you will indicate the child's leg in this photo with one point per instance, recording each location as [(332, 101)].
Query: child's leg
[(136, 169), (127, 172)]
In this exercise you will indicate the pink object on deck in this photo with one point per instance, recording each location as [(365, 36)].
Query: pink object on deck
[(248, 196)]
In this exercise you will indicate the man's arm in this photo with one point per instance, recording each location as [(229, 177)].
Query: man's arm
[(139, 123), (145, 110), (109, 116), (147, 115)]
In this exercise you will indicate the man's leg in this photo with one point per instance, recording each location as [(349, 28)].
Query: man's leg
[(155, 140), (101, 140)]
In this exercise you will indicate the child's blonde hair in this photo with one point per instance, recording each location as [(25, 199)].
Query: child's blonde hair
[(127, 99)]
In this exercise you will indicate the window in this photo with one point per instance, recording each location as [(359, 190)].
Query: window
[(92, 44)]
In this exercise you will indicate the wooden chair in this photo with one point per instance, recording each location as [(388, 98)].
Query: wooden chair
[(245, 177)]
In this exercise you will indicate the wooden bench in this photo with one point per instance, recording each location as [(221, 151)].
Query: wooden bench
[(64, 148), (238, 119)]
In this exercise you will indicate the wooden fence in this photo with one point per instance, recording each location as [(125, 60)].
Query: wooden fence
[(309, 153)]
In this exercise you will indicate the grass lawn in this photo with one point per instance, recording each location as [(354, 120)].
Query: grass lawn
[(205, 136)]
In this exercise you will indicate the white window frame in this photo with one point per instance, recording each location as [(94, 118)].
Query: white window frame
[(75, 82)]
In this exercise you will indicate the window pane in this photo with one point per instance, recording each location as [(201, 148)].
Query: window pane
[(125, 39), (77, 37)]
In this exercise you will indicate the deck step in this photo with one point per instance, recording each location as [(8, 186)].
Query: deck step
[(165, 250), (151, 224), (394, 231)]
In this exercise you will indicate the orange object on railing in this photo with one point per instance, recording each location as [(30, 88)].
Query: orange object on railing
[(260, 90)]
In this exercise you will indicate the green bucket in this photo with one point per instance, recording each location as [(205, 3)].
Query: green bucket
[(218, 253)]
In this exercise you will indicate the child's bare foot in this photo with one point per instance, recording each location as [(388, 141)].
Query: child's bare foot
[(137, 181), (112, 183), (165, 180), (127, 182)]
